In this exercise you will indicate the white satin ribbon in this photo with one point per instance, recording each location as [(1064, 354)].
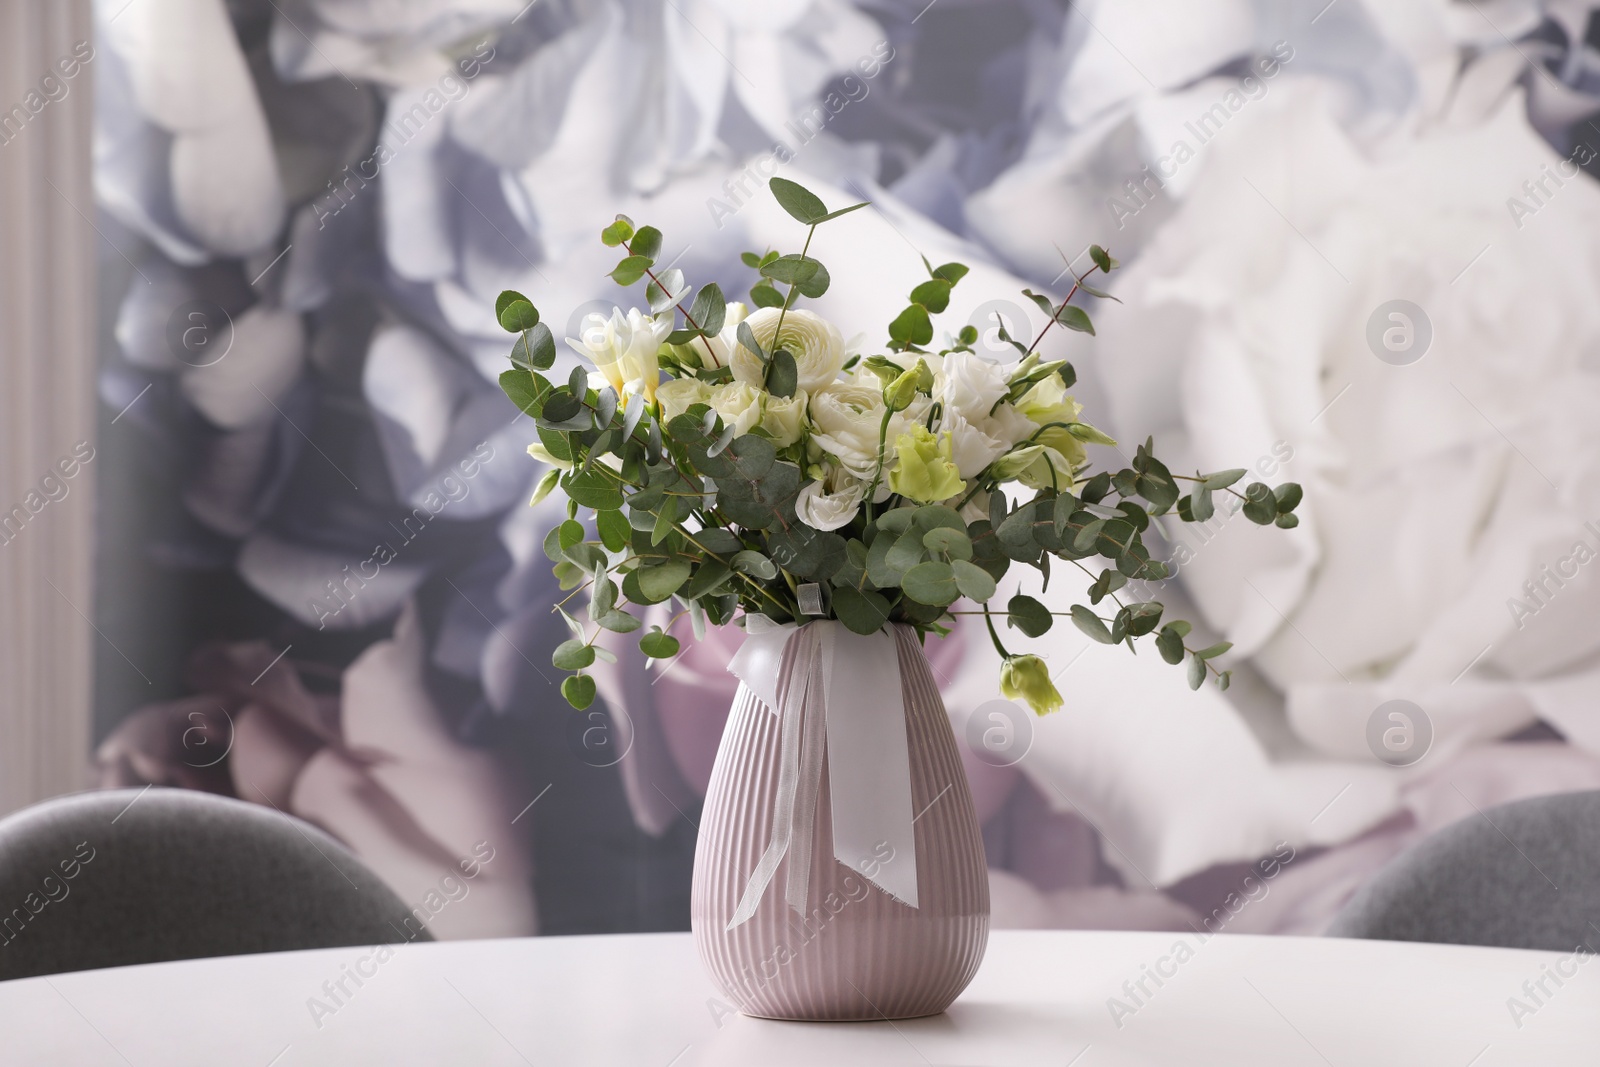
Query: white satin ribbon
[(846, 690)]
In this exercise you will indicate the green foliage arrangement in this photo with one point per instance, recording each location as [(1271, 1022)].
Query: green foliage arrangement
[(738, 460)]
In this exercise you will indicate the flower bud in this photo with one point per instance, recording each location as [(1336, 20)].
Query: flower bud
[(1027, 678), (898, 394)]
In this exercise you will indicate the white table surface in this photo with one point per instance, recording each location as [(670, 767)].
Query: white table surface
[(642, 1001)]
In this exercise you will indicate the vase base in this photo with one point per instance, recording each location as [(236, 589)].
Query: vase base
[(875, 1017)]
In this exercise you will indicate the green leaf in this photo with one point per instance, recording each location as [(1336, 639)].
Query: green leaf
[(573, 655), (931, 583), (783, 375), (666, 520), (861, 612), (1223, 479), (951, 272), (619, 622), (658, 644), (617, 233), (524, 390), (1197, 672), (1096, 488), (1288, 496), (804, 273), (517, 316), (1213, 651), (1101, 258), (1286, 522), (534, 349), (667, 292), (1075, 318), (754, 564), (615, 533), (593, 490), (709, 309), (506, 298), (1092, 624), (1201, 505), (908, 551), (708, 578), (662, 580), (975, 583), (1224, 680), (1028, 615), (750, 259), (800, 202), (912, 326), (1142, 617), (954, 544), (579, 691), (631, 269), (1170, 645), (646, 243), (830, 216), (763, 295), (933, 295), (1260, 506)]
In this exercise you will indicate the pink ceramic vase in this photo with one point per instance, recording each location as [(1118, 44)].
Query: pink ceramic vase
[(859, 954)]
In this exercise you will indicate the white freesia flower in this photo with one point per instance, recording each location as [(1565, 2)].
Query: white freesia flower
[(542, 454), (832, 502), (680, 394), (812, 340), (623, 349)]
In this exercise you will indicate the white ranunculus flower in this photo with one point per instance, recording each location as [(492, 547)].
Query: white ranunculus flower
[(847, 420), (680, 394), (739, 404), (784, 418), (623, 348), (830, 503), (814, 342)]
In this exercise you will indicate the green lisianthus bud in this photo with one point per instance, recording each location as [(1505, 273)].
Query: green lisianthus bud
[(898, 394), (1027, 678)]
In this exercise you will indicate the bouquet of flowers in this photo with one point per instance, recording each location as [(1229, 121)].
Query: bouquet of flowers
[(741, 460)]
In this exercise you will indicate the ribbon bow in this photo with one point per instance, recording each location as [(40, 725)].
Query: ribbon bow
[(844, 699)]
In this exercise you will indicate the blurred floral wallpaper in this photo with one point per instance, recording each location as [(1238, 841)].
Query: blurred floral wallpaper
[(1361, 237)]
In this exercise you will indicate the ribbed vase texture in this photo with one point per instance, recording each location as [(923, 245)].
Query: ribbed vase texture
[(859, 953)]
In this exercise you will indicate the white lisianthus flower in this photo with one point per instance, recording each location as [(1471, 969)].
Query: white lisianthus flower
[(972, 385), (812, 340), (623, 349), (832, 502), (970, 448), (680, 394)]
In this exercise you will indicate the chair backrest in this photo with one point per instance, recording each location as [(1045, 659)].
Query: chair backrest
[(139, 876), (1522, 875)]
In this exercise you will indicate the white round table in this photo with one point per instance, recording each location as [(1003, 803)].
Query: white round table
[(1042, 997)]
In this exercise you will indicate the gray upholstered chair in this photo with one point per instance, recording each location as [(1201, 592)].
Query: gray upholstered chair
[(1522, 875), (119, 877)]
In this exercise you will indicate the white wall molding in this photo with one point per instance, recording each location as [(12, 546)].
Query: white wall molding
[(47, 399)]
